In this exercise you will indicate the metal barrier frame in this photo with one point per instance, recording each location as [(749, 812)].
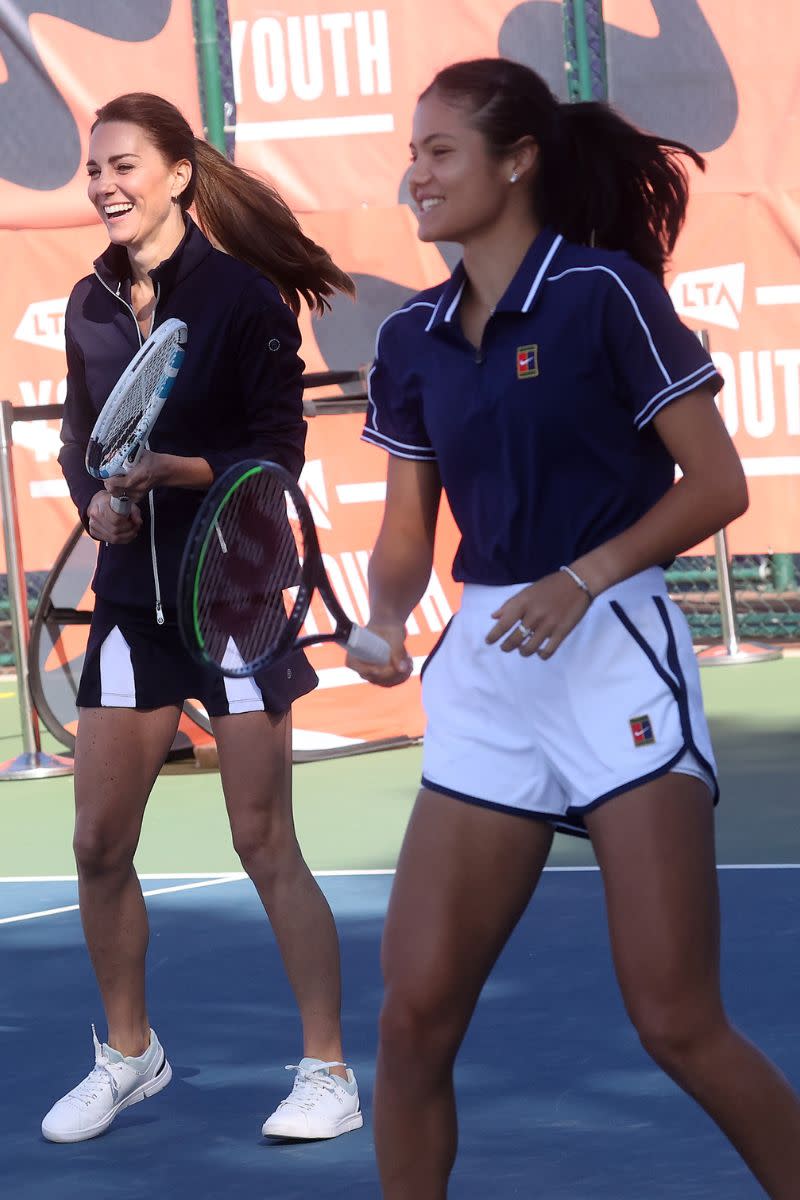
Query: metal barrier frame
[(33, 762)]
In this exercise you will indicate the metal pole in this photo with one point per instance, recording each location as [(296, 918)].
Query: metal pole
[(732, 649), (33, 763), (210, 77), (783, 573), (582, 51)]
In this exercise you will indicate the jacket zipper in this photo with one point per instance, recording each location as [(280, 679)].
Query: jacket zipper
[(153, 555)]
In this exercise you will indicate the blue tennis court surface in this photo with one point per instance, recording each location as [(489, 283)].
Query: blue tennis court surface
[(557, 1099)]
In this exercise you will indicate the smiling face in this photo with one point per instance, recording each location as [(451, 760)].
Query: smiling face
[(460, 189), (132, 186)]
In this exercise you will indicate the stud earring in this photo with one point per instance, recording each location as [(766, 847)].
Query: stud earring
[(514, 177)]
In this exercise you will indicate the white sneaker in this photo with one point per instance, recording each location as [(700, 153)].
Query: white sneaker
[(113, 1084), (320, 1105)]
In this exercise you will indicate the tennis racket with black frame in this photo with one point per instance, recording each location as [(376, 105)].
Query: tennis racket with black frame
[(250, 568), (127, 418)]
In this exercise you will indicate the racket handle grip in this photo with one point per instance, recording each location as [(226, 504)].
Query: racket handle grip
[(121, 505), (366, 645)]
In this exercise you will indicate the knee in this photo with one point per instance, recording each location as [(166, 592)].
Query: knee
[(265, 846), (418, 1028), (99, 850), (676, 1031)]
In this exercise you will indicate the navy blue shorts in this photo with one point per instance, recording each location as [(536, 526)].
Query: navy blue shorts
[(132, 662)]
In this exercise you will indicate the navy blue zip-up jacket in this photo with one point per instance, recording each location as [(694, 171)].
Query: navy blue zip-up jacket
[(238, 393)]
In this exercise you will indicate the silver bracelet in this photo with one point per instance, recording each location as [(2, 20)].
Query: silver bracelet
[(582, 584)]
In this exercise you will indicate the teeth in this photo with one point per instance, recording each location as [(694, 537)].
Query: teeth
[(111, 210), (430, 203)]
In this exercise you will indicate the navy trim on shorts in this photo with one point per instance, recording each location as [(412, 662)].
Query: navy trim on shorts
[(558, 823), (673, 659), (640, 780), (435, 649), (679, 690)]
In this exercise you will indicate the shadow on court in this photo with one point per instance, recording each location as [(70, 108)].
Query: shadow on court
[(557, 1098)]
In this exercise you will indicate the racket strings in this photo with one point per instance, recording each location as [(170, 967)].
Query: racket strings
[(248, 585), (134, 402)]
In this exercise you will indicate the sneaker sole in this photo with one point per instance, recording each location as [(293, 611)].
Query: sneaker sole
[(287, 1134), (143, 1092)]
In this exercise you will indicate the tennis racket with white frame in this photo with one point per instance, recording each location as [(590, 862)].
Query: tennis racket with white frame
[(250, 568), (131, 410)]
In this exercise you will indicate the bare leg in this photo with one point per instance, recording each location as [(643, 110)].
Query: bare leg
[(118, 755), (464, 877), (655, 847), (255, 763)]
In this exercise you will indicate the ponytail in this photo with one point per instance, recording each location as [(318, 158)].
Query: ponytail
[(250, 221), (604, 182), (244, 216), (599, 180)]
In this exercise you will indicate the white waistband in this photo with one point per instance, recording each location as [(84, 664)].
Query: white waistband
[(650, 582)]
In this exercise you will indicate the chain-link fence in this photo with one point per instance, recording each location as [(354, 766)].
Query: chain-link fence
[(766, 589), (766, 592), (212, 34), (584, 50), (34, 581)]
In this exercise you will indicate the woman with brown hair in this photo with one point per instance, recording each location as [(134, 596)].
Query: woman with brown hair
[(549, 389), (238, 286)]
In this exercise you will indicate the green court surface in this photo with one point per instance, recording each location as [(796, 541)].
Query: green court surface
[(351, 812)]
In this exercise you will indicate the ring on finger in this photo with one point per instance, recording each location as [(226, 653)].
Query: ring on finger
[(525, 631)]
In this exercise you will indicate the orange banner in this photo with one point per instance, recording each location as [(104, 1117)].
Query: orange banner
[(692, 72), (56, 71), (325, 95), (344, 482), (325, 98)]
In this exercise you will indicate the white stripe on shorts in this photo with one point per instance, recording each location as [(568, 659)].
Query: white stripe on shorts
[(242, 692), (117, 682)]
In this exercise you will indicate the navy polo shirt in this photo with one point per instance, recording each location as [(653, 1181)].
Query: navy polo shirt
[(543, 436)]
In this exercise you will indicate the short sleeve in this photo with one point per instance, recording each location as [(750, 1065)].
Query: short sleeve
[(395, 419), (656, 357)]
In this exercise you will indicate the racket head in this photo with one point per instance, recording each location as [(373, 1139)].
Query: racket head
[(248, 570), (129, 413)]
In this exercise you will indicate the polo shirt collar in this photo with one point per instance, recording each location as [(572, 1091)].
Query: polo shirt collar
[(521, 293)]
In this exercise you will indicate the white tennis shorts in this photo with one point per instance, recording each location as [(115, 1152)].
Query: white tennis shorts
[(617, 705)]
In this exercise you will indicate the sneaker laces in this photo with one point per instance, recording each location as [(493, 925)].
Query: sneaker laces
[(309, 1086), (100, 1076)]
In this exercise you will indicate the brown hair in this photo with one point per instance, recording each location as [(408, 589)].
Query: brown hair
[(600, 179), (244, 216)]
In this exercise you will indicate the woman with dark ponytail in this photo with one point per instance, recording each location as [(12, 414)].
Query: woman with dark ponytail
[(550, 389), (237, 281)]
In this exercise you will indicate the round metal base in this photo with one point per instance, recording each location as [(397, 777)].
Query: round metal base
[(745, 652), (36, 766)]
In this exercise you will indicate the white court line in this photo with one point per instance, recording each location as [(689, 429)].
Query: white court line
[(181, 887), (234, 876), (161, 875), (237, 878)]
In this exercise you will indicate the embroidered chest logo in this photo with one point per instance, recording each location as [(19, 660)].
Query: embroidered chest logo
[(527, 362), (642, 731)]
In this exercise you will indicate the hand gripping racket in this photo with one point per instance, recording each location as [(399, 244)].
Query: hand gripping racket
[(249, 570), (130, 412)]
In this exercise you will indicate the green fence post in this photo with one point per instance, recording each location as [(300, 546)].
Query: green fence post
[(584, 50), (210, 77), (784, 577)]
